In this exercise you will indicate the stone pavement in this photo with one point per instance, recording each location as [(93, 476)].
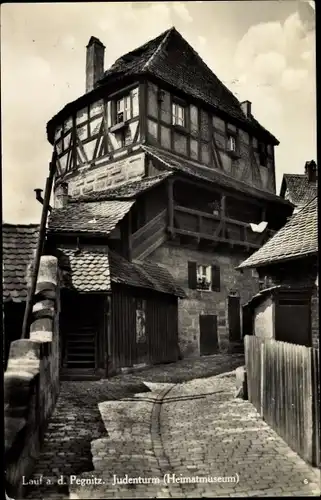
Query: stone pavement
[(77, 421), (181, 428), (191, 432)]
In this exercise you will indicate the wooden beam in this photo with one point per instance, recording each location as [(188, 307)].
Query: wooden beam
[(170, 200), (143, 110)]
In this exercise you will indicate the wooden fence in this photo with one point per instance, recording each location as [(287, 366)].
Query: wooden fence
[(284, 386)]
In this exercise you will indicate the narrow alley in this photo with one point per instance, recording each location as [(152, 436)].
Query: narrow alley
[(166, 430)]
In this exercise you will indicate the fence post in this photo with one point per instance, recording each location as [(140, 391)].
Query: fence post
[(262, 379), (308, 408)]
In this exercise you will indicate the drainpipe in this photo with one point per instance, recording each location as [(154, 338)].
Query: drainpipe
[(39, 249)]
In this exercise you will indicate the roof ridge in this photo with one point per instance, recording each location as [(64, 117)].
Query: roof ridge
[(159, 48)]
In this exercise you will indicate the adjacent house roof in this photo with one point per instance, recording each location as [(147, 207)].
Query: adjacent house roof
[(298, 238), (298, 189), (172, 60), (195, 170), (93, 218), (18, 242), (126, 191), (95, 270)]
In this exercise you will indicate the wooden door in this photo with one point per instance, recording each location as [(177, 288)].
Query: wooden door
[(234, 319), (208, 334)]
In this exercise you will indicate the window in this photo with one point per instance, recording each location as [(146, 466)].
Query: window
[(203, 277), (231, 143), (123, 109), (178, 115), (263, 154)]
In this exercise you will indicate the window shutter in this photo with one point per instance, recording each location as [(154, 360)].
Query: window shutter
[(216, 278), (192, 281)]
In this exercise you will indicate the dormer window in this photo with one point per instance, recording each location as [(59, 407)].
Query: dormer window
[(178, 114)]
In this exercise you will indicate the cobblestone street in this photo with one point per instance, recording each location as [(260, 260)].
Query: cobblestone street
[(166, 420)]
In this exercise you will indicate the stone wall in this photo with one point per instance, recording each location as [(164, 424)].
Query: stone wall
[(176, 259), (31, 381), (110, 174)]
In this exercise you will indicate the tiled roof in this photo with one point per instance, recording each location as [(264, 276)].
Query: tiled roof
[(171, 59), (300, 190), (298, 238), (93, 218), (18, 242), (126, 191), (94, 270), (144, 275), (85, 271), (163, 280), (196, 170)]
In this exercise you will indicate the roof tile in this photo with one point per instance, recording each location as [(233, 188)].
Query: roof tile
[(298, 238), (94, 218), (86, 271)]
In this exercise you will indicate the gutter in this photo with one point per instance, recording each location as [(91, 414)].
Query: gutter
[(39, 249)]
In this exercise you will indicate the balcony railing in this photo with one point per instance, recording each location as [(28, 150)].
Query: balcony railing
[(205, 226)]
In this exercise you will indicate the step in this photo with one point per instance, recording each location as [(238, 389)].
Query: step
[(80, 362)]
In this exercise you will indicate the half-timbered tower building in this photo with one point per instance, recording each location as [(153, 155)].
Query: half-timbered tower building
[(159, 163)]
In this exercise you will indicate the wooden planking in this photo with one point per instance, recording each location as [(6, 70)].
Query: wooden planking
[(290, 393), (316, 405), (253, 368)]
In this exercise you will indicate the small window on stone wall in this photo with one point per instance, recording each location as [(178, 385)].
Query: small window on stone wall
[(203, 277)]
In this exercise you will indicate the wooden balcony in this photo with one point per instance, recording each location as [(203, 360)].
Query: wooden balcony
[(217, 228)]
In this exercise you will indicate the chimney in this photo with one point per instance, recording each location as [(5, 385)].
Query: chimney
[(246, 108), (311, 171), (94, 62), (61, 195)]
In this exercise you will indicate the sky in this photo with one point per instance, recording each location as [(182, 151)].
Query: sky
[(264, 51)]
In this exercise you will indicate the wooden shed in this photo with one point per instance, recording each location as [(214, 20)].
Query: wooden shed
[(115, 314)]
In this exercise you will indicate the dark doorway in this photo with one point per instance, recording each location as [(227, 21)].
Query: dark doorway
[(234, 319), (292, 322), (81, 327), (247, 321), (208, 334)]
